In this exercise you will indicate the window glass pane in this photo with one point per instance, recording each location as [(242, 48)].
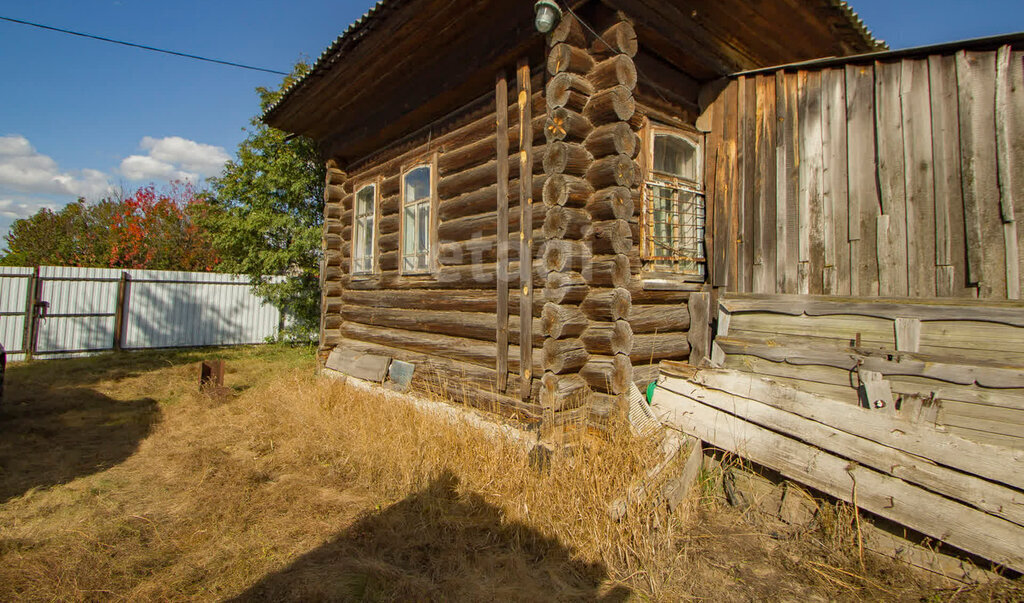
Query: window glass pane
[(675, 156), (409, 230), (364, 200), (423, 241), (417, 184)]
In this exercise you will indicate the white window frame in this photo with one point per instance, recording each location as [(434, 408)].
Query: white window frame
[(430, 201), (361, 223), (655, 261)]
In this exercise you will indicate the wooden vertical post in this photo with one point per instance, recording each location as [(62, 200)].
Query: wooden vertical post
[(525, 228), (501, 106), (28, 337), (121, 310)]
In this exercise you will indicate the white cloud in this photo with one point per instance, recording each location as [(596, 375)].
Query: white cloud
[(174, 158), (23, 207), (24, 169)]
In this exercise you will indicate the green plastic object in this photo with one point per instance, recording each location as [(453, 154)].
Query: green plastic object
[(650, 391)]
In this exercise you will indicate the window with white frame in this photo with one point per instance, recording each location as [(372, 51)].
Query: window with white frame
[(363, 229), (416, 202), (673, 202)]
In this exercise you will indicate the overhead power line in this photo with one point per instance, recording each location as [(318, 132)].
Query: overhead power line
[(142, 46)]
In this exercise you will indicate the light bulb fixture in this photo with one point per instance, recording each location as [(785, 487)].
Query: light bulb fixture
[(547, 15)]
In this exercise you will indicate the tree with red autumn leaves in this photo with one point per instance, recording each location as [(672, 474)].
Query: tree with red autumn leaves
[(150, 228)]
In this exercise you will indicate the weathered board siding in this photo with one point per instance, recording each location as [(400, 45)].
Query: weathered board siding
[(895, 178), (957, 364)]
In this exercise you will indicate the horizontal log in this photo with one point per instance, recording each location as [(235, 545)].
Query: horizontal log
[(334, 193), (335, 176), (566, 57), (617, 70), (565, 124), (482, 225), (568, 90), (613, 170), (389, 185), (456, 348), (562, 321), (566, 158), (565, 223), (610, 105), (388, 224), (644, 374), (485, 199), (507, 404), (614, 203), (649, 348), (435, 299), (563, 255), (563, 392), (565, 288), (616, 138), (661, 318), (569, 191), (387, 242), (387, 261), (608, 338), (658, 296), (608, 271), (569, 31), (476, 153), (607, 304), (608, 374), (333, 257), (468, 276), (609, 237), (564, 355), (473, 325), (332, 210), (427, 365), (480, 176), (620, 38), (390, 205), (483, 250)]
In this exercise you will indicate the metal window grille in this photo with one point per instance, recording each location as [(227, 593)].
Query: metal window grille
[(673, 226)]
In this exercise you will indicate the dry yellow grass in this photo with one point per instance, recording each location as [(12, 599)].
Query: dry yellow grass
[(119, 481)]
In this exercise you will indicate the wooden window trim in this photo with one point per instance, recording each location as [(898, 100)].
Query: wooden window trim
[(429, 161), (651, 130), (375, 230)]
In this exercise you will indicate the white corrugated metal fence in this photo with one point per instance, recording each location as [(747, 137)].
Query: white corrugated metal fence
[(82, 310)]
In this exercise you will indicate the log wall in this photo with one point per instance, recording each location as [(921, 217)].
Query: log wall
[(446, 322), (893, 178)]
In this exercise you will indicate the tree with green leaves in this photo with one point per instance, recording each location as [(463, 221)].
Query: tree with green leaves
[(266, 215)]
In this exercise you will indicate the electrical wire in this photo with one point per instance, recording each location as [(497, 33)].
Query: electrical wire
[(141, 46)]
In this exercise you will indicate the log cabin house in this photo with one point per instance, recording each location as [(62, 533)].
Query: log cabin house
[(535, 220)]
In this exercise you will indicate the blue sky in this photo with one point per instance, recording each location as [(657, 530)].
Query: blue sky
[(79, 117)]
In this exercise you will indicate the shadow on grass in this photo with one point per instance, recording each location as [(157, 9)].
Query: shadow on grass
[(89, 370), (50, 436), (437, 544)]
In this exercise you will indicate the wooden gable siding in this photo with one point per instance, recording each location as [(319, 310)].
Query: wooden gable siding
[(898, 178)]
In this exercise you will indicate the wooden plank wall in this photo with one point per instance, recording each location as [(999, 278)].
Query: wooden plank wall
[(894, 178), (953, 363)]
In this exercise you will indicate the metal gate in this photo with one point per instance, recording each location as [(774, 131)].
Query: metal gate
[(66, 311)]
